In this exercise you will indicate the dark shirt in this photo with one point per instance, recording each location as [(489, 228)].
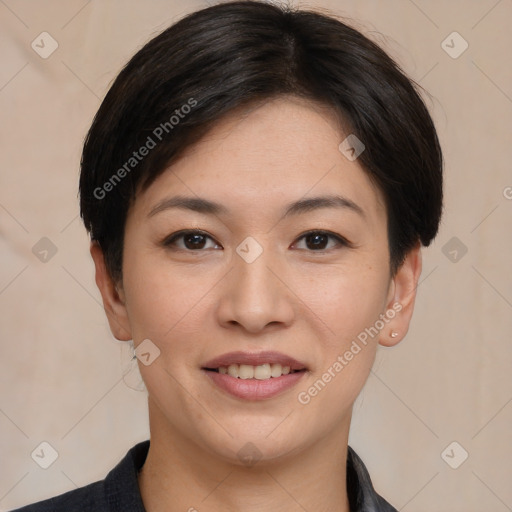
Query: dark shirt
[(119, 491)]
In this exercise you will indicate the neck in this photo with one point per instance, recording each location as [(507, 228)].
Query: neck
[(179, 475)]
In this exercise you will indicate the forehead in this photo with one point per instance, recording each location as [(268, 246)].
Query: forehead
[(260, 157)]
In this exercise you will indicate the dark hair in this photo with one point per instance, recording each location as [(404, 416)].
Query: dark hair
[(241, 53)]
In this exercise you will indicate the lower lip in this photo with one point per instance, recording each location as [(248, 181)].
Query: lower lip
[(254, 389)]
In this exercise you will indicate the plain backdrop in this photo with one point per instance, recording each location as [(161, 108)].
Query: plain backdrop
[(61, 371)]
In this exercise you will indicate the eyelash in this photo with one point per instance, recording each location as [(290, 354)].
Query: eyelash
[(170, 240)]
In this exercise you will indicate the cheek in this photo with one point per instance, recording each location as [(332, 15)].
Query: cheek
[(150, 293), (349, 307), (346, 300), (165, 300)]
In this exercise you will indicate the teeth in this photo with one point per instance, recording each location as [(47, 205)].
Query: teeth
[(260, 372), (233, 370), (276, 370), (245, 371)]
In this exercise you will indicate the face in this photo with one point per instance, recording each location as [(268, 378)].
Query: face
[(277, 254)]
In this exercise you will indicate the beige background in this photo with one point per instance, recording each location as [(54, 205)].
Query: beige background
[(61, 370)]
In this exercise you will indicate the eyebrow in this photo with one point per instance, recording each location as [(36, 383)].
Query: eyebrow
[(201, 205)]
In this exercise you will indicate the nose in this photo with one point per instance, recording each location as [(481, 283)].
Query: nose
[(256, 296)]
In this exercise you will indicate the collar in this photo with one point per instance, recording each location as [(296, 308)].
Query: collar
[(122, 489)]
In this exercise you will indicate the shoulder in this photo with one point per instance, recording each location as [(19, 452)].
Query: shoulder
[(84, 499), (118, 492)]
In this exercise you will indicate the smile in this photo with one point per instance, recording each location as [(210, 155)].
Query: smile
[(261, 372), (254, 376)]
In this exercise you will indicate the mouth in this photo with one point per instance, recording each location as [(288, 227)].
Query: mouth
[(260, 372), (254, 376)]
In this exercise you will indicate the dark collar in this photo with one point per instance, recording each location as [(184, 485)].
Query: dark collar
[(122, 489), (361, 494)]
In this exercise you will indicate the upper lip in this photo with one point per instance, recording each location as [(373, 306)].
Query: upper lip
[(254, 359)]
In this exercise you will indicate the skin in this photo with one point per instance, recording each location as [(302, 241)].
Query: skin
[(196, 304)]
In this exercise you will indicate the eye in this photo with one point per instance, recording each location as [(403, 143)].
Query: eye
[(319, 240), (196, 240), (191, 240)]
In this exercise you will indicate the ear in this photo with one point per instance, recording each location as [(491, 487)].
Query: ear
[(113, 299), (401, 298)]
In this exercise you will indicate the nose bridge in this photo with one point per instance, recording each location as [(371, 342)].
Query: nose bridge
[(254, 296), (254, 279)]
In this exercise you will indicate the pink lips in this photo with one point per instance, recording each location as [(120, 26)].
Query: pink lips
[(254, 389), (255, 359)]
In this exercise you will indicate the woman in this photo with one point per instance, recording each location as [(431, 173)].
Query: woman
[(257, 184)]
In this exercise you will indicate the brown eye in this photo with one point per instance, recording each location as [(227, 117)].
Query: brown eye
[(316, 241), (191, 240), (319, 240)]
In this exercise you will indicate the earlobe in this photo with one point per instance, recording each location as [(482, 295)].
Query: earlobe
[(403, 295), (113, 302)]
